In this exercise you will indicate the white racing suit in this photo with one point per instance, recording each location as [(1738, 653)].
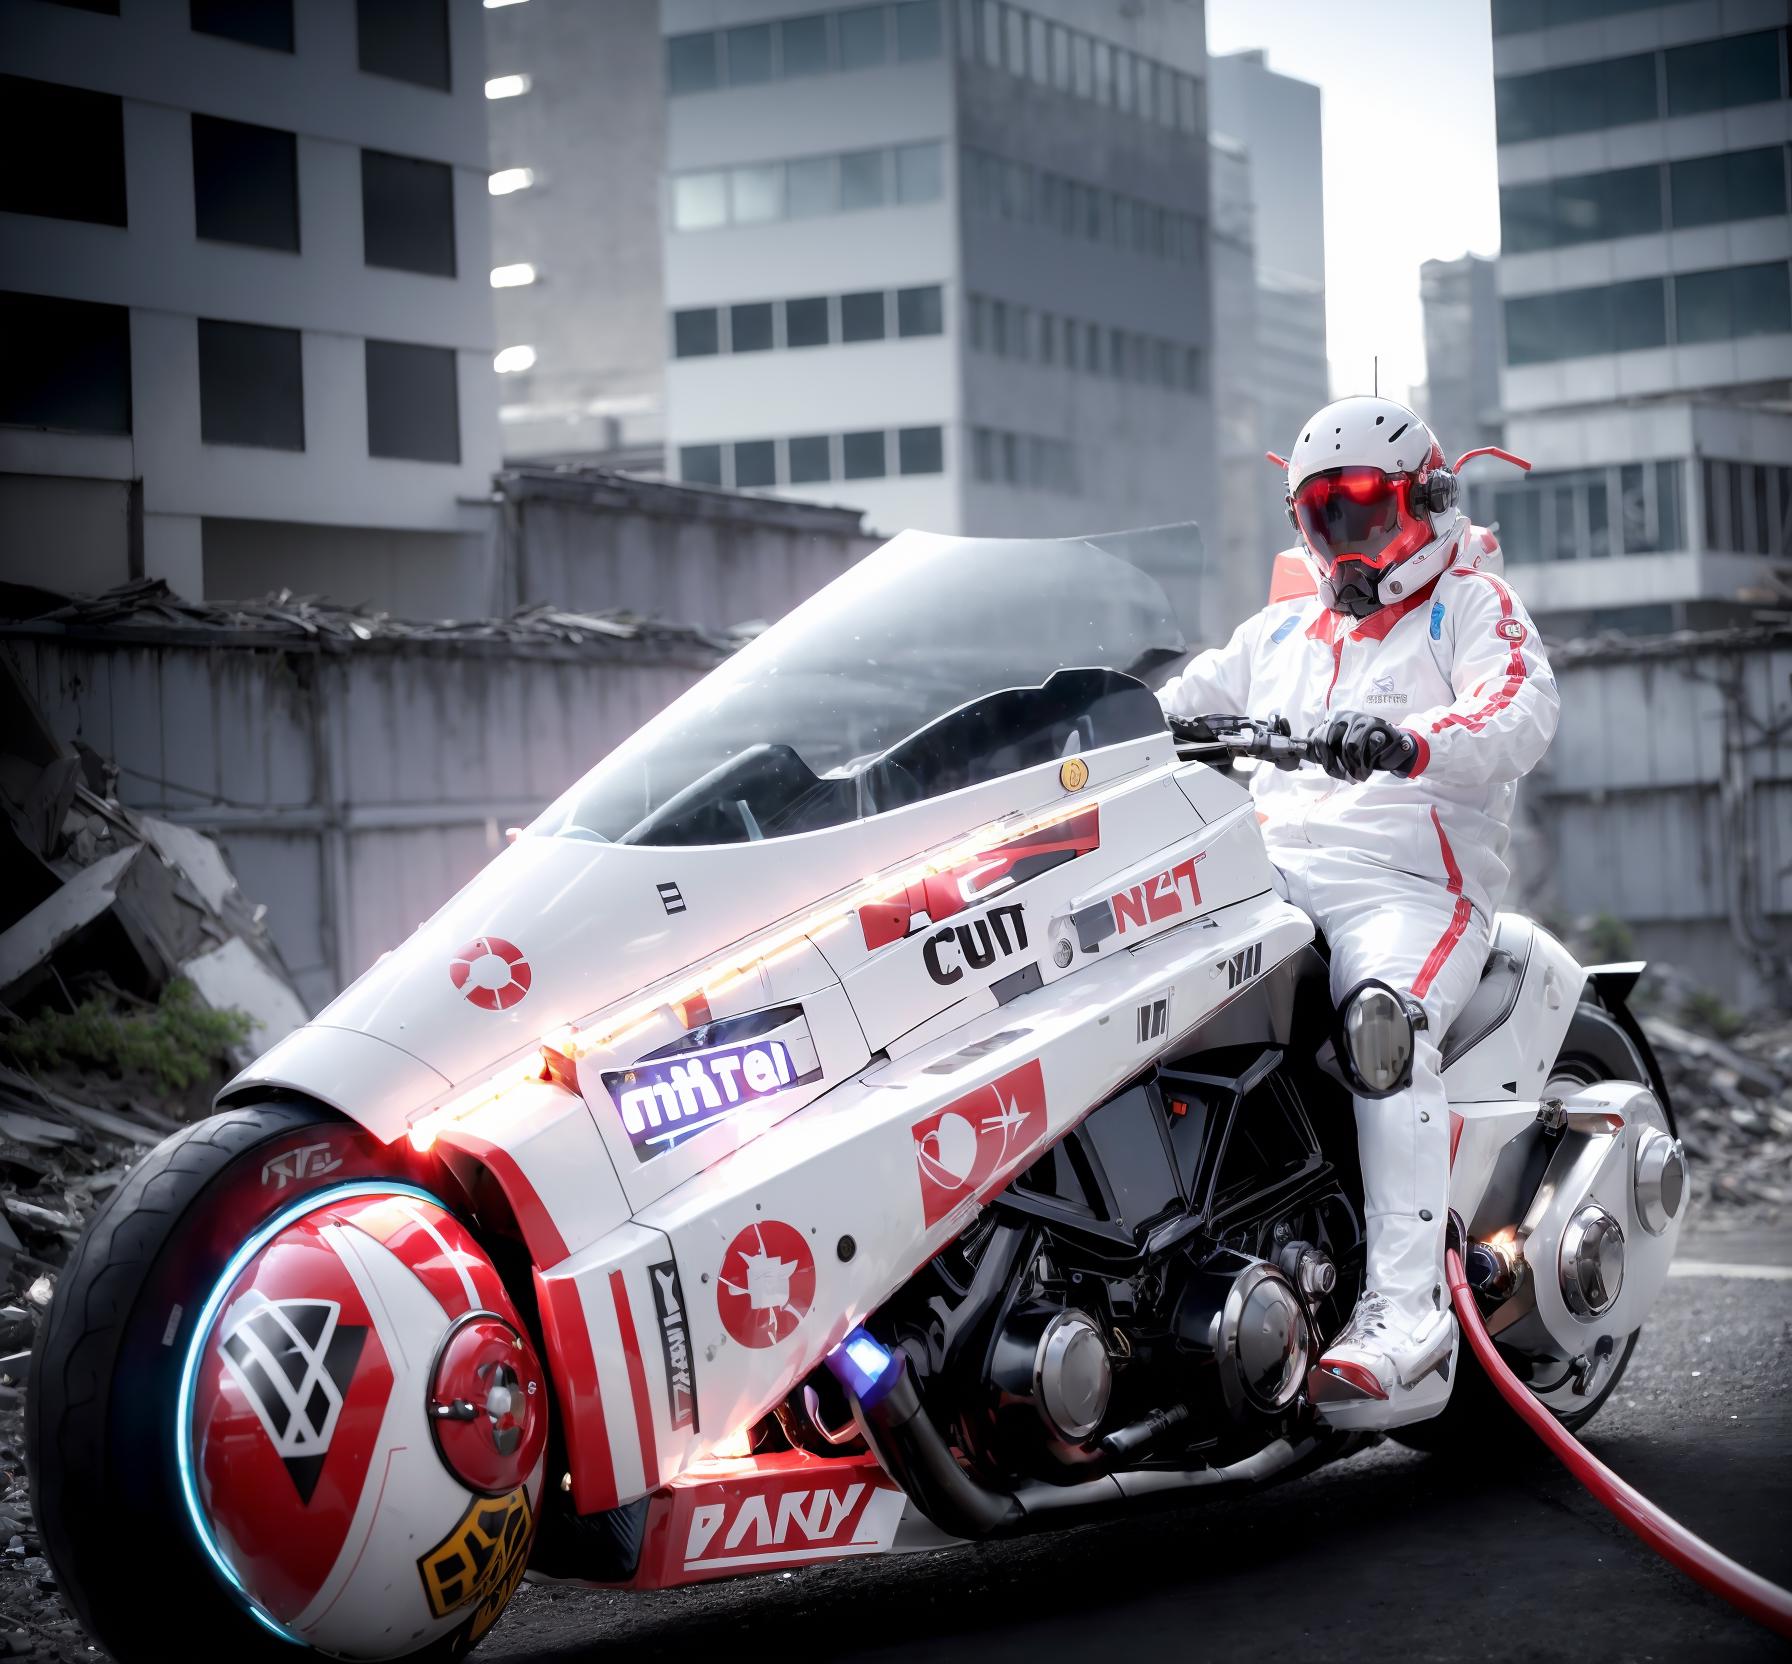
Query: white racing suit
[(1402, 876)]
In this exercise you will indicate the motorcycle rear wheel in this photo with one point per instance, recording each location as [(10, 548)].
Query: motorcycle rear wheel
[(1477, 1421), (104, 1381)]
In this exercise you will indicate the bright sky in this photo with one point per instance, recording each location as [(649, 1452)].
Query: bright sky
[(1410, 169)]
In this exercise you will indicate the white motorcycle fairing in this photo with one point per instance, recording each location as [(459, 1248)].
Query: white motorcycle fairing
[(738, 1080)]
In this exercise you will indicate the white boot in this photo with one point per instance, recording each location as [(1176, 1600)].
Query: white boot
[(1393, 1362)]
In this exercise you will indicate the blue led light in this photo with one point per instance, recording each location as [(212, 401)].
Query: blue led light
[(189, 1375), (865, 1366)]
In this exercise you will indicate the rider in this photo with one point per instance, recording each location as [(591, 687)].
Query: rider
[(1412, 657)]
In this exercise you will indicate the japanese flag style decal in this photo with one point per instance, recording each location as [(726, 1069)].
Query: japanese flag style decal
[(966, 1149), (490, 973), (766, 1284)]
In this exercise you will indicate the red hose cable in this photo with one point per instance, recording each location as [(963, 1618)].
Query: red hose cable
[(1747, 1591)]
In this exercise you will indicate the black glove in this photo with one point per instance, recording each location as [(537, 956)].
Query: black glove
[(1353, 744)]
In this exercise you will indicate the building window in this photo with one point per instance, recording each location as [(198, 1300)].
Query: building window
[(1743, 185), (755, 464), (68, 364), (862, 179), (251, 386), (750, 327), (920, 450), (696, 334), (811, 187), (918, 173), (407, 213), (862, 36), (918, 30), (756, 194), (252, 22), (862, 317), (1721, 74), (803, 45), (700, 464), (65, 152), (863, 455), (920, 311), (245, 184), (692, 64), (1575, 98), (699, 201), (809, 460), (405, 40), (806, 321), (1583, 323), (1733, 302), (413, 402), (748, 54)]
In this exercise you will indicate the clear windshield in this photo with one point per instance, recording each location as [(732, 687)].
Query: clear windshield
[(934, 664)]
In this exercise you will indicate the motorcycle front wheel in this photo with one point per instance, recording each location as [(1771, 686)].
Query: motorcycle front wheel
[(112, 1481)]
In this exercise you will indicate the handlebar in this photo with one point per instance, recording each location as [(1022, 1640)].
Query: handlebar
[(1220, 739)]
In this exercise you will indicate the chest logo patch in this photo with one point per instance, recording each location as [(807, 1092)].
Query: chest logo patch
[(1284, 629), (1382, 692), (1437, 621)]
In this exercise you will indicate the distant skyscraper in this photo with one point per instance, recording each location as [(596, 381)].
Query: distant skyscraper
[(245, 302), (578, 161), (1461, 396), (1278, 374), (944, 262), (1647, 303)]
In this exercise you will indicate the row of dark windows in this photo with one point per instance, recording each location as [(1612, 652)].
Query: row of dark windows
[(1636, 508), (1690, 307), (1027, 460), (814, 458), (811, 321), (69, 368), (1611, 92), (999, 188), (1512, 17), (245, 178), (1632, 202), (1009, 330), (820, 43), (1027, 46), (404, 40), (1748, 507)]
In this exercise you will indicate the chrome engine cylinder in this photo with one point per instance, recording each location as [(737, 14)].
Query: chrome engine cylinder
[(1247, 1316)]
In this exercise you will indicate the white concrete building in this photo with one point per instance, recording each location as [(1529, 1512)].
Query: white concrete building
[(245, 294), (578, 164), (1279, 375), (942, 260), (1646, 283)]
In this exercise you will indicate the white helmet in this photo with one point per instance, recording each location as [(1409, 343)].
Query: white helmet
[(1374, 503)]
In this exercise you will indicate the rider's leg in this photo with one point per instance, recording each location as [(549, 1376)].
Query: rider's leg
[(1390, 1363)]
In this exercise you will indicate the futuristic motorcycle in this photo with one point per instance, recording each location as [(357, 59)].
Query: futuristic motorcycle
[(887, 1097)]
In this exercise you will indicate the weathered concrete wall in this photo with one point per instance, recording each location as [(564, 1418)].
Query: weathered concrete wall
[(1666, 801), (353, 792)]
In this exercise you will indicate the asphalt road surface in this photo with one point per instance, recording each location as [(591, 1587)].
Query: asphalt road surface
[(1389, 1555)]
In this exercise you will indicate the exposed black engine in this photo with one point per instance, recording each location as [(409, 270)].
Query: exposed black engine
[(1152, 1291)]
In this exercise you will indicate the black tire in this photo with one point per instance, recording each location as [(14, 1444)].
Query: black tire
[(99, 1418), (1477, 1422)]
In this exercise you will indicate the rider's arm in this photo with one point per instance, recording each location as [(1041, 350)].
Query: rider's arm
[(1216, 680), (1504, 715)]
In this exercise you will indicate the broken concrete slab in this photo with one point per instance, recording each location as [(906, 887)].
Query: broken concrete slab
[(194, 856), (234, 975), (26, 949)]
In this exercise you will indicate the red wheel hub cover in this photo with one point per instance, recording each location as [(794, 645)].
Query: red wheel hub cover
[(488, 1405)]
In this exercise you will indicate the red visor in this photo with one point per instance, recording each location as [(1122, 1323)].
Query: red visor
[(1359, 514)]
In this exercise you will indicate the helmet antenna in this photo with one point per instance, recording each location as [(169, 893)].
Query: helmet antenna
[(1377, 362)]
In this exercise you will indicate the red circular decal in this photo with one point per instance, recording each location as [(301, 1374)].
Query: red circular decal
[(766, 1284), (491, 973), (1509, 629), (488, 1405)]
